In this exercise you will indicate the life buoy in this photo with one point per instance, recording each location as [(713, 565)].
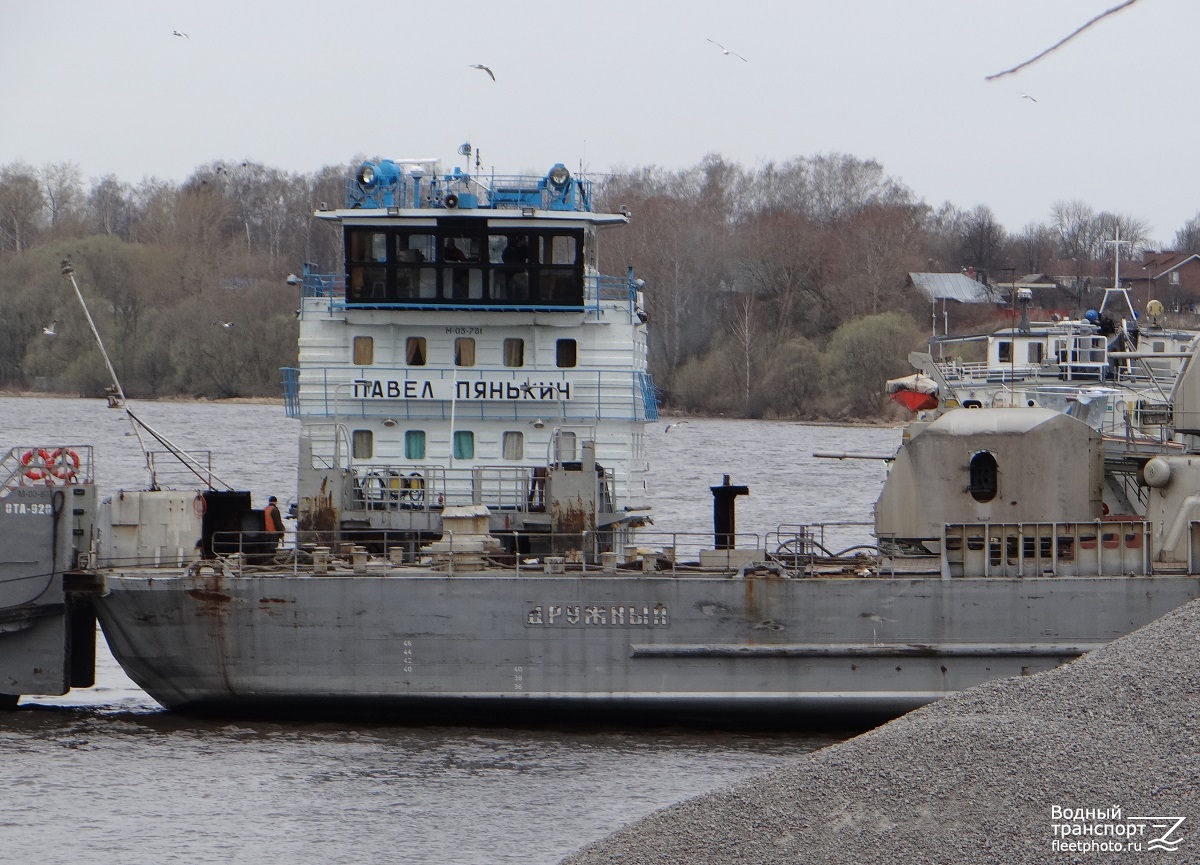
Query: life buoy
[(35, 464), (64, 463)]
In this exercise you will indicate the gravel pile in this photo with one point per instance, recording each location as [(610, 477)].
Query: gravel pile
[(993, 774)]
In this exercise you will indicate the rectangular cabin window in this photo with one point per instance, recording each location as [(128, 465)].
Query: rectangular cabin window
[(513, 447), (1034, 351), (362, 444), (459, 248), (464, 445), (415, 248), (563, 249), (367, 283), (364, 350), (514, 352), (1005, 352), (462, 283), (459, 281), (509, 255), (368, 246), (464, 351), (564, 447), (414, 351), (414, 444), (1158, 347), (559, 279), (565, 352)]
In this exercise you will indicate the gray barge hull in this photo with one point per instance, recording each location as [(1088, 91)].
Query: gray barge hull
[(475, 646)]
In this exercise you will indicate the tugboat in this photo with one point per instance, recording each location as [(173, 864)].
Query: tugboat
[(473, 534)]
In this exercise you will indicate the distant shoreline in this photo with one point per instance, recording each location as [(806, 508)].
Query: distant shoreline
[(237, 400), (879, 423)]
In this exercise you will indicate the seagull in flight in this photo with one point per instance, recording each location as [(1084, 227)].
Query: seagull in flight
[(179, 33), (1027, 96), (485, 69), (672, 426), (224, 324), (729, 53), (51, 329)]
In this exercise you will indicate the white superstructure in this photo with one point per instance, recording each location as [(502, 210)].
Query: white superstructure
[(469, 349)]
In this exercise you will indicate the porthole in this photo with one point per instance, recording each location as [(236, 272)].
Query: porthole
[(983, 477)]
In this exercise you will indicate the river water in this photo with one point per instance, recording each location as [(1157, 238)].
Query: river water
[(105, 776)]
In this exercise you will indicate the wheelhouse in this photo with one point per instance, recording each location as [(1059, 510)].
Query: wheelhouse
[(455, 261)]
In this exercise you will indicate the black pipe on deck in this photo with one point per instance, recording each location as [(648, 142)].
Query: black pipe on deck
[(725, 514)]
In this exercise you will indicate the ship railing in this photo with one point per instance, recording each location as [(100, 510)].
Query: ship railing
[(47, 465), (386, 487), (314, 284), (290, 379), (567, 394), (805, 547), (1107, 547), (486, 191), (379, 551), (170, 472)]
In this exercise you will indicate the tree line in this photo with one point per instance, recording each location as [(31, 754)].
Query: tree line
[(778, 290)]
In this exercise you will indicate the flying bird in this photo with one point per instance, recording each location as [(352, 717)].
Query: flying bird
[(485, 69), (672, 426), (178, 33), (1027, 96), (729, 53), (51, 329), (224, 324)]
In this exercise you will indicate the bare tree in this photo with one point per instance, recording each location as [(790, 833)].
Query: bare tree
[(843, 185), (780, 258), (109, 206), (1131, 228), (21, 205), (745, 332), (1187, 238), (1033, 248), (983, 239), (62, 185), (1078, 229)]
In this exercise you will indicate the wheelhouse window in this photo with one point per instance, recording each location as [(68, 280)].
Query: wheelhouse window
[(463, 261), (464, 445), (514, 352), (364, 350), (983, 474), (414, 444), (464, 351), (362, 444), (414, 351), (1034, 352), (1005, 352), (368, 246), (565, 353)]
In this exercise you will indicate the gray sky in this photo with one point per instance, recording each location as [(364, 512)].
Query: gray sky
[(302, 84)]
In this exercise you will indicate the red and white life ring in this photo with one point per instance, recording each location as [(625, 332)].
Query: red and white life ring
[(64, 463), (35, 464)]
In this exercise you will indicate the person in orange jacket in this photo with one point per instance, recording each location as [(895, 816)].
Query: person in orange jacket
[(272, 521)]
